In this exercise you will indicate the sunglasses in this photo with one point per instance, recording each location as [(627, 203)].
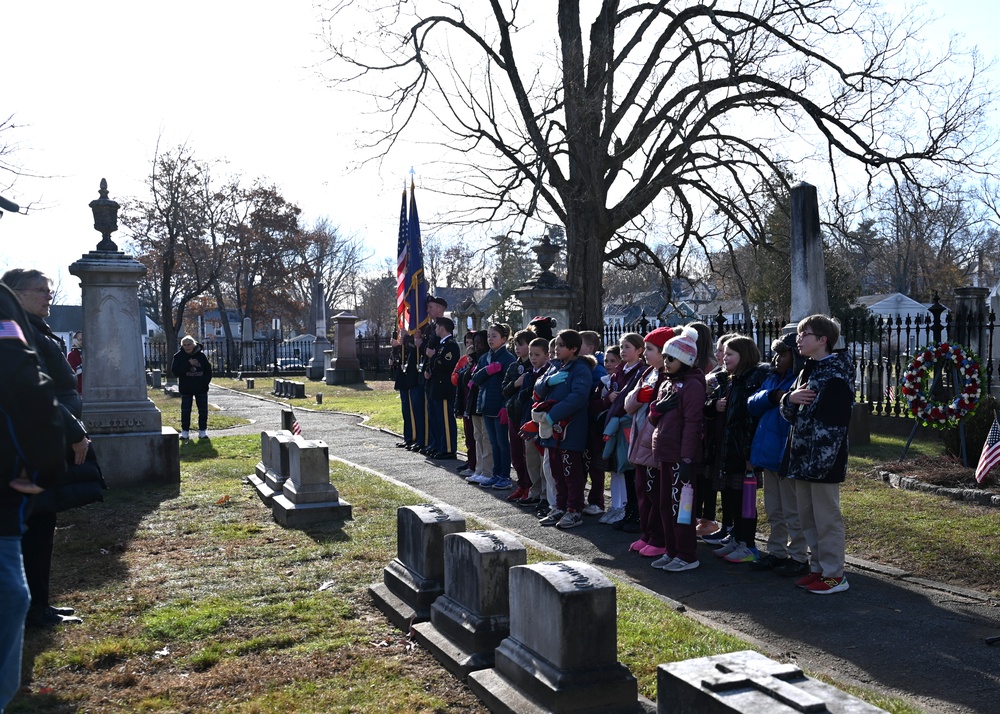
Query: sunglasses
[(668, 358)]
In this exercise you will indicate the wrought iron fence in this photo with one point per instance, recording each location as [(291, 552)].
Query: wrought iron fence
[(232, 357), (882, 348)]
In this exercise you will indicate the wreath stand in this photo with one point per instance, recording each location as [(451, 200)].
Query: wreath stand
[(940, 364)]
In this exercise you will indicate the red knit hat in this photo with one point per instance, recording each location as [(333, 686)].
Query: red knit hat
[(659, 336)]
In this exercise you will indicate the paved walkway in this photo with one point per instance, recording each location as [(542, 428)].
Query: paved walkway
[(891, 632)]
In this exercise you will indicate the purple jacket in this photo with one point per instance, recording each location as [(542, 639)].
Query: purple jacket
[(678, 432)]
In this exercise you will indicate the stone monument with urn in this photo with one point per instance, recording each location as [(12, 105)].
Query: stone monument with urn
[(131, 442)]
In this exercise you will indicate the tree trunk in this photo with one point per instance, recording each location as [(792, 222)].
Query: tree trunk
[(585, 241)]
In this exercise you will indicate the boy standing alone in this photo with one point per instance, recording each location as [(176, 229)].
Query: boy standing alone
[(819, 410)]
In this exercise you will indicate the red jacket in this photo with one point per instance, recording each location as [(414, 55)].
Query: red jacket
[(678, 432)]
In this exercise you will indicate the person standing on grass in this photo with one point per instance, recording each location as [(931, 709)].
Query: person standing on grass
[(32, 448), (194, 374), (786, 546), (819, 410)]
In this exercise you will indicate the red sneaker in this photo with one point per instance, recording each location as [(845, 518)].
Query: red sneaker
[(518, 494), (808, 580), (827, 586)]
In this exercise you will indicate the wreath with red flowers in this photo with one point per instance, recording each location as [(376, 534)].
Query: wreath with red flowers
[(942, 415)]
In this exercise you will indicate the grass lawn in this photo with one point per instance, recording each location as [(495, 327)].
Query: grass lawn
[(195, 600)]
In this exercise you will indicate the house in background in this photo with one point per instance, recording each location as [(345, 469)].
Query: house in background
[(893, 304), (64, 321)]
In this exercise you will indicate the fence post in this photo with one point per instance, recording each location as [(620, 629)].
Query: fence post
[(936, 309), (720, 324)]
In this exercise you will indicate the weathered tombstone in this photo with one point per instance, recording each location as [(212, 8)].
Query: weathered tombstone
[(808, 271), (298, 390), (307, 496), (276, 389), (472, 617), (156, 379), (316, 369), (345, 368), (272, 469), (415, 578), (562, 652), (747, 682)]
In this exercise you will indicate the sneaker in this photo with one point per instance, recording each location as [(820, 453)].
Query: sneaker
[(476, 479), (184, 435), (717, 537), (662, 562), (612, 516), (638, 545), (202, 434), (502, 484), (706, 527), (652, 551), (828, 586), (792, 568), (529, 500), (491, 482), (768, 561), (726, 548), (517, 494), (555, 515), (592, 509), (741, 554), (808, 580), (571, 519), (543, 510), (677, 565), (466, 472)]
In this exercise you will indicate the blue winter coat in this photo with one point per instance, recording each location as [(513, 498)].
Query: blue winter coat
[(571, 399), (772, 431), (491, 385)]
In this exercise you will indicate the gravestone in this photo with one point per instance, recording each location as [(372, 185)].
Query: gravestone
[(307, 496), (272, 469), (415, 578), (472, 617), (745, 682), (345, 368), (562, 652), (316, 368), (808, 270)]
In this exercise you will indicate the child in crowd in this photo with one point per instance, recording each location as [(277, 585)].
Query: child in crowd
[(618, 424), (460, 379), (489, 379), (678, 415), (716, 385), (786, 546), (819, 410), (640, 451), (612, 358), (565, 394), (538, 356), (510, 415), (484, 452), (746, 374), (595, 443)]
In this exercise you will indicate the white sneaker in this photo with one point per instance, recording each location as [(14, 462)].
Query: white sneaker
[(478, 478), (202, 434), (592, 509), (466, 472), (663, 561), (727, 548), (185, 435), (677, 565), (613, 516)]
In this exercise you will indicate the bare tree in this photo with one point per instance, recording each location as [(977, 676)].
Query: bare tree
[(677, 107), (335, 259)]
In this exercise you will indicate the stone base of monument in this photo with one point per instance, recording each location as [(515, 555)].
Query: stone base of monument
[(336, 375), (747, 682), (297, 515), (264, 492), (404, 596), (140, 457), (455, 658)]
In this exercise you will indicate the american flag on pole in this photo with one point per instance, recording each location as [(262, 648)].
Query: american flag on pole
[(296, 429), (401, 267), (991, 452), (416, 282)]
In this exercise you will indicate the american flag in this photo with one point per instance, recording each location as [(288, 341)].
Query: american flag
[(296, 429), (10, 330), (416, 282), (991, 452), (401, 266)]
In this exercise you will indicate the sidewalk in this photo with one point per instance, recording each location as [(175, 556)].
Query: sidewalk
[(890, 632)]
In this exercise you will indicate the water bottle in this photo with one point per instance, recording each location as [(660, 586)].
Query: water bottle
[(686, 505), (749, 495)]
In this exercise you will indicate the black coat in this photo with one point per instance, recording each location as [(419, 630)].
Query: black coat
[(441, 365), (737, 434), (32, 438), (192, 377)]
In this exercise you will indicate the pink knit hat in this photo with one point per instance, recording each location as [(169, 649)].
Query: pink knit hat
[(659, 336), (683, 347)]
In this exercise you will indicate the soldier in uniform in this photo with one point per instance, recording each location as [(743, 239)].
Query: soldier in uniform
[(32, 448), (441, 391), (427, 345), (411, 398)]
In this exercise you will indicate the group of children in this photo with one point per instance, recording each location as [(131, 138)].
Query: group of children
[(680, 428)]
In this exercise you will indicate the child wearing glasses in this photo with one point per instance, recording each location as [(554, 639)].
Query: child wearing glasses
[(819, 409)]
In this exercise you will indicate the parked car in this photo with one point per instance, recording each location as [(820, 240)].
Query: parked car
[(288, 363)]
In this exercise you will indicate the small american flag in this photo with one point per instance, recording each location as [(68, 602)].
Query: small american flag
[(10, 330), (890, 394), (991, 452), (296, 429)]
